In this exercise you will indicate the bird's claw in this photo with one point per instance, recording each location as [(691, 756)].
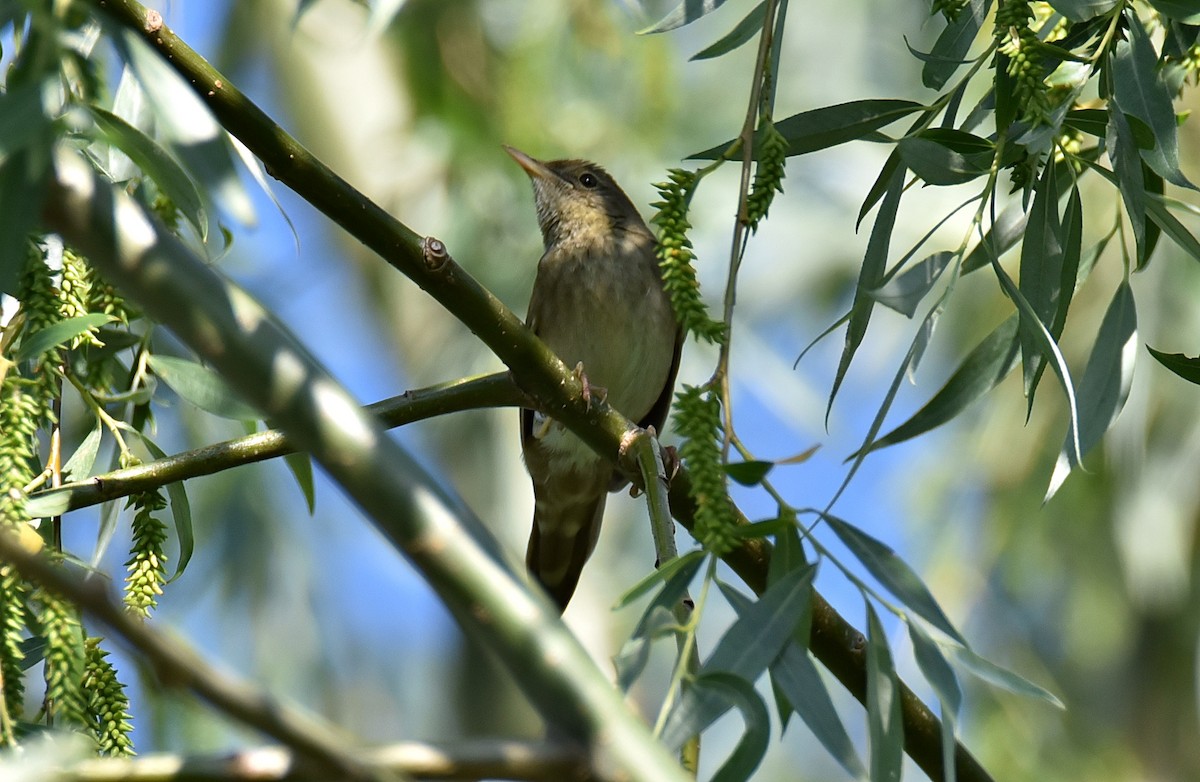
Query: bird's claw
[(581, 376)]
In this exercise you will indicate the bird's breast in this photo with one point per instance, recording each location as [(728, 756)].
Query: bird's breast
[(610, 313)]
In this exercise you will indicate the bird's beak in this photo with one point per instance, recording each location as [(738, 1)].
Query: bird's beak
[(534, 167)]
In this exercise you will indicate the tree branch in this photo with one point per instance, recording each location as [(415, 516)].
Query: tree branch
[(495, 390), (536, 369), (514, 760), (320, 745)]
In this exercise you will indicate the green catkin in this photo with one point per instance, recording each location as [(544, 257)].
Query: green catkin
[(1019, 42), (75, 294), (768, 175), (675, 256), (64, 663), (12, 634), (147, 558), (107, 703), (698, 421)]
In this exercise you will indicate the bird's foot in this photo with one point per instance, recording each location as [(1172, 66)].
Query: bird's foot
[(671, 462), (588, 388)]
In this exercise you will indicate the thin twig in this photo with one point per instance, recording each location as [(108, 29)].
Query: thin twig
[(495, 390)]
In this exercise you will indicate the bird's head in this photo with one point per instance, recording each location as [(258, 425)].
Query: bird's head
[(578, 203)]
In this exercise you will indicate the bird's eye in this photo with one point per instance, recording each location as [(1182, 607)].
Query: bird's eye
[(588, 180)]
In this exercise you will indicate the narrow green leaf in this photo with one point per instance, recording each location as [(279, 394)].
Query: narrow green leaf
[(750, 644), (953, 44), (1157, 211), (829, 126), (1005, 107), (893, 573), (1041, 273), (920, 340), (300, 465), (1180, 10), (33, 651), (1127, 165), (1187, 368), (110, 513), (1000, 677), (1082, 10), (940, 675), (743, 32), (1106, 382), (980, 372), (1072, 251), (904, 292), (1029, 320), (22, 117), (749, 473), (202, 387), (878, 187), (797, 677), (57, 333), (1001, 237), (183, 120), (788, 553), (181, 513), (798, 684), (745, 651), (870, 277), (1094, 122), (130, 104), (1154, 189), (690, 560), (22, 183), (156, 163), (79, 466), (685, 13), (1139, 89), (935, 668), (944, 156), (258, 173), (885, 725), (751, 748), (657, 618)]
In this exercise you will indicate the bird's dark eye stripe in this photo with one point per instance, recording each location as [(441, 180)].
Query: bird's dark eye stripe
[(588, 179)]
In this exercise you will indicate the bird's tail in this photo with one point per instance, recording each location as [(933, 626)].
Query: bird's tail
[(563, 536)]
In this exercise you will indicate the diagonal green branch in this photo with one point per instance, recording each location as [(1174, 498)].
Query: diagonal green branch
[(836, 643), (445, 541)]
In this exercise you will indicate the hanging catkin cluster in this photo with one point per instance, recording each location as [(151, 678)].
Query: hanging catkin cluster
[(108, 705), (147, 558), (1019, 42), (768, 175), (698, 421), (675, 257)]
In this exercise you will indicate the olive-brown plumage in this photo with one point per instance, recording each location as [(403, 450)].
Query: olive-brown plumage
[(597, 301)]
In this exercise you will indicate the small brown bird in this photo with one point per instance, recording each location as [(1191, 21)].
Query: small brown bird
[(598, 302)]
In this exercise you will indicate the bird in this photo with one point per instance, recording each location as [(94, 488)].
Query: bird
[(598, 302)]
